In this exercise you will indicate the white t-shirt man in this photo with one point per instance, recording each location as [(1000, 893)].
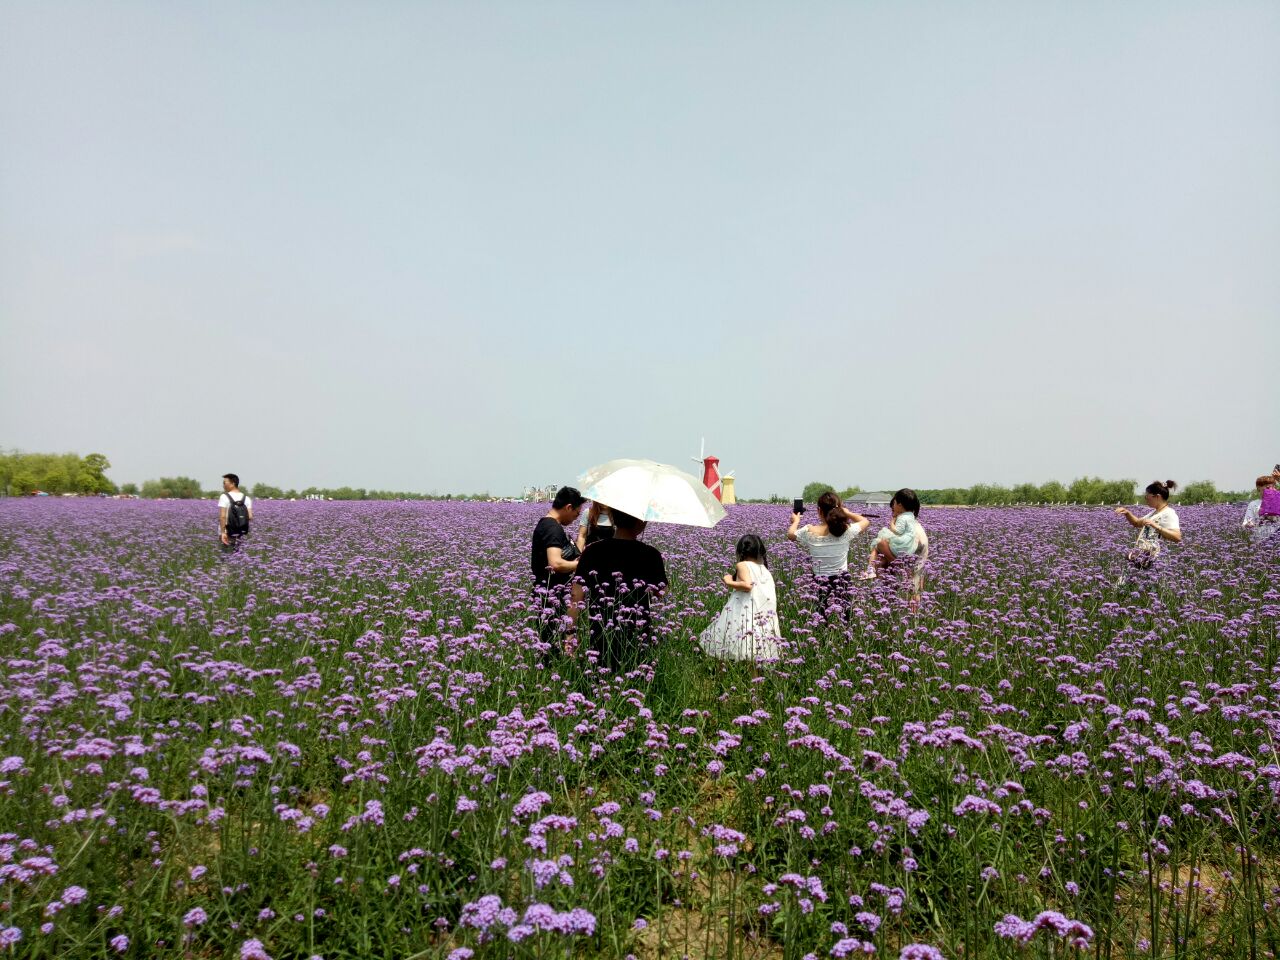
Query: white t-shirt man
[(224, 503)]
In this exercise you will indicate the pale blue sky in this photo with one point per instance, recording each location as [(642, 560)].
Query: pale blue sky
[(479, 246)]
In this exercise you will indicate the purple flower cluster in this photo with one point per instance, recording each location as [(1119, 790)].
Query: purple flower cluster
[(1014, 928), (354, 724)]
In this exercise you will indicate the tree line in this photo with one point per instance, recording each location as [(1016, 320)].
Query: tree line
[(57, 473), (22, 473), (266, 491), (1089, 490)]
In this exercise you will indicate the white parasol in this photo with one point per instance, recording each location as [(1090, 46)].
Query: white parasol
[(655, 492)]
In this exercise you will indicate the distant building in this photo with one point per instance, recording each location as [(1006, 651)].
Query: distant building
[(876, 498)]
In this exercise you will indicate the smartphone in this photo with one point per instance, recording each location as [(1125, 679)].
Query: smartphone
[(797, 505)]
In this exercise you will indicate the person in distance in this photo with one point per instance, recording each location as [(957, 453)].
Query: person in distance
[(235, 513)]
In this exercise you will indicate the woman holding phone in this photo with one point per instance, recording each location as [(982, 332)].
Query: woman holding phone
[(828, 543)]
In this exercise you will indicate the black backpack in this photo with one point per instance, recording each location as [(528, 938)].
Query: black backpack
[(237, 516)]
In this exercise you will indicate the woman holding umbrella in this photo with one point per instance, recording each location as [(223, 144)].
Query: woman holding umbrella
[(617, 576)]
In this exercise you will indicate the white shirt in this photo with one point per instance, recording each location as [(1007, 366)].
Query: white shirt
[(830, 554), (1258, 531), (224, 501), (1165, 519), (1251, 514)]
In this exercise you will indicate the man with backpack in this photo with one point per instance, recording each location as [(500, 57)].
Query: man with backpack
[(235, 510)]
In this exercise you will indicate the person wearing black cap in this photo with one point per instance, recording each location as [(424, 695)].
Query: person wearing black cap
[(553, 560)]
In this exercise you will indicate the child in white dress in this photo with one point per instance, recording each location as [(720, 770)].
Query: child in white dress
[(747, 627)]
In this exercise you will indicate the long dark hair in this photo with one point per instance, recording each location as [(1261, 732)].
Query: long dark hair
[(829, 510), (907, 499), (751, 547), (1163, 490)]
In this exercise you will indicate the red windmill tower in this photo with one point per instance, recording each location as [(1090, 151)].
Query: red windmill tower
[(710, 470)]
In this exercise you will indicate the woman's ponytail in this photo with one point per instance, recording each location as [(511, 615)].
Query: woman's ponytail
[(831, 510)]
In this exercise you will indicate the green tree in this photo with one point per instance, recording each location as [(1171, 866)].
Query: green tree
[(1117, 491), (1201, 491), (130, 488), (1083, 490), (173, 488), (53, 473), (988, 494), (812, 491), (1025, 493), (265, 491), (57, 473), (23, 482), (1052, 492), (92, 475)]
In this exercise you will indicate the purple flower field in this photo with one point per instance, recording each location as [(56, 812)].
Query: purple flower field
[(345, 741)]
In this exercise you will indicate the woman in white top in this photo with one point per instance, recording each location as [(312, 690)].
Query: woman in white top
[(597, 526), (828, 544), (747, 627), (1155, 528)]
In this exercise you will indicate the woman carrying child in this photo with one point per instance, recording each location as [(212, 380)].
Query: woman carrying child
[(1262, 516), (904, 537), (747, 627)]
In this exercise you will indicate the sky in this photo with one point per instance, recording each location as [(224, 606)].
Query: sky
[(453, 247)]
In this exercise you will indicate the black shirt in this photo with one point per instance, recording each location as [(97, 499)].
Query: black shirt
[(603, 561), (548, 533), (617, 574)]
